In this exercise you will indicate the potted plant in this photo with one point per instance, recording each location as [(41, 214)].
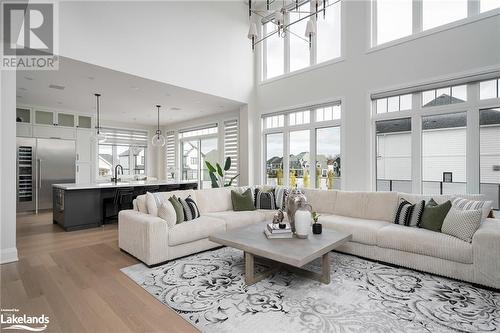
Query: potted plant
[(317, 227)]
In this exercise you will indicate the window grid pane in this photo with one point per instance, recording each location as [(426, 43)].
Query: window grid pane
[(439, 12), (394, 19)]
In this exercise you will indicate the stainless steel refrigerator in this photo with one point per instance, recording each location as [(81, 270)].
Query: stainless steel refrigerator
[(41, 163)]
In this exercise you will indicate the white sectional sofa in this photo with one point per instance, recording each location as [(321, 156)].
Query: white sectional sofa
[(368, 216)]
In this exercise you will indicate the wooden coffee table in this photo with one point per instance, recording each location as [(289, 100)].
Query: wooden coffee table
[(290, 254)]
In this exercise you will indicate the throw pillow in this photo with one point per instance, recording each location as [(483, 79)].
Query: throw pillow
[(408, 214), (433, 216), (190, 208), (141, 203), (462, 223), (280, 194), (167, 212), (264, 199), (179, 211), (242, 201), (153, 201), (466, 204)]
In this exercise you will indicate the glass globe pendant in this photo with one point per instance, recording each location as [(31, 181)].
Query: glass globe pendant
[(100, 137), (158, 139)]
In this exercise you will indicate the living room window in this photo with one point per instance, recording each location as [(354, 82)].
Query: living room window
[(393, 103), (291, 52), (433, 147), (393, 19), (485, 5), (436, 13), (306, 151)]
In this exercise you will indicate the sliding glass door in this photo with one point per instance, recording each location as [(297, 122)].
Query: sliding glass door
[(194, 154)]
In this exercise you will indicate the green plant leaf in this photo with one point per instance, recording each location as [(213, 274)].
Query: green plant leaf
[(231, 181), (227, 165), (213, 178), (210, 167), (219, 170)]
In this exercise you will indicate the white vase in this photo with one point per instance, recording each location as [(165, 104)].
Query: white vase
[(303, 221)]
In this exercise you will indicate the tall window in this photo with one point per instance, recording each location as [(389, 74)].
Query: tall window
[(489, 89), (394, 19), (291, 51), (439, 12), (486, 5), (124, 147), (299, 49), (393, 151), (444, 153), (274, 50), (328, 158), (328, 34), (274, 159), (311, 140), (489, 162), (198, 146)]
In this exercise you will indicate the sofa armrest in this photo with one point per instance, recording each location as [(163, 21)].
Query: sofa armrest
[(486, 251), (144, 236)]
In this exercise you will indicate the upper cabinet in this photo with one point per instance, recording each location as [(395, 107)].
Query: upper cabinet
[(65, 119), (84, 122), (44, 118), (23, 115)]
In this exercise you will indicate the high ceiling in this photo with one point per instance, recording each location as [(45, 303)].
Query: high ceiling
[(125, 98)]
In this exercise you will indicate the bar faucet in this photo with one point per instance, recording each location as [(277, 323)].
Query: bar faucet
[(115, 179)]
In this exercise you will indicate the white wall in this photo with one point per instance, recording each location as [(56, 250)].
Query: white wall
[(463, 49), (8, 167), (200, 45)]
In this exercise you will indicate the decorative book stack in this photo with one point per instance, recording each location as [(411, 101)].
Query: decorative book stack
[(273, 231)]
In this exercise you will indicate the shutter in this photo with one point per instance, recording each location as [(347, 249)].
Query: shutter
[(125, 137), (170, 153), (231, 141)]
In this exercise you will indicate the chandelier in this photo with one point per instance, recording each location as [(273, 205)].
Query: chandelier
[(278, 16)]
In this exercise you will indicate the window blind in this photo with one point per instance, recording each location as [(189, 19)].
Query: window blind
[(302, 108), (231, 141), (125, 137), (170, 152)]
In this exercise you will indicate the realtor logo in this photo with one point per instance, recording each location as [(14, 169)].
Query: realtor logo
[(29, 36)]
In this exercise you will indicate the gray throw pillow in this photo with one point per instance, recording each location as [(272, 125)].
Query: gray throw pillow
[(462, 223)]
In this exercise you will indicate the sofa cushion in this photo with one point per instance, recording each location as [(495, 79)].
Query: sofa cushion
[(424, 242), (157, 198), (242, 201), (194, 230), (141, 203), (239, 219), (380, 206), (362, 230), (321, 201), (433, 216), (214, 200)]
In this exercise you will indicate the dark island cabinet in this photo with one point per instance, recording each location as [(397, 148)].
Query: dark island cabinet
[(81, 208)]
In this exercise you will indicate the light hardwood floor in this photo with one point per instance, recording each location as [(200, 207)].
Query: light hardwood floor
[(75, 279)]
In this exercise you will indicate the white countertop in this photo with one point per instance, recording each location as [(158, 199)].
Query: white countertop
[(132, 183)]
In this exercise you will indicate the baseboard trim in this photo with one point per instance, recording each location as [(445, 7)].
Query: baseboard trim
[(8, 255)]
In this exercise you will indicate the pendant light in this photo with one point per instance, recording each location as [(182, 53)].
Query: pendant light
[(310, 31), (158, 139), (252, 34), (100, 137)]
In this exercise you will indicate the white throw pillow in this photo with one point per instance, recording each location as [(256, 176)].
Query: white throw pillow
[(141, 204), (167, 212), (461, 223), (152, 203), (466, 204)]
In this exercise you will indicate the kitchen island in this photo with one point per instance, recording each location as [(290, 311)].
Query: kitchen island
[(82, 206)]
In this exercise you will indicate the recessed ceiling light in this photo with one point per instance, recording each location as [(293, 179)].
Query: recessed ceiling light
[(22, 88), (19, 96), (28, 78), (134, 88), (59, 102), (175, 109), (90, 77), (55, 86)]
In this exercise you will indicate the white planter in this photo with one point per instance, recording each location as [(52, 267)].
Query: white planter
[(303, 222)]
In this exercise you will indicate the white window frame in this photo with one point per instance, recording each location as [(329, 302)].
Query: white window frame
[(471, 107), (312, 126)]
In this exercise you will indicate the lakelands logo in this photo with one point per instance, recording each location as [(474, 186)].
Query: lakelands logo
[(11, 319), (29, 32)]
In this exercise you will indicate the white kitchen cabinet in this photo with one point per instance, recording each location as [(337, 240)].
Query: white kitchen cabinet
[(83, 172), (54, 132), (24, 130), (84, 144)]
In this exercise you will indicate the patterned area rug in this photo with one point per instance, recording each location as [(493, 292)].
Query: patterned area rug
[(208, 290)]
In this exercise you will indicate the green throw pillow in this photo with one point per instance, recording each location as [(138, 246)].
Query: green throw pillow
[(242, 201), (433, 216), (179, 211)]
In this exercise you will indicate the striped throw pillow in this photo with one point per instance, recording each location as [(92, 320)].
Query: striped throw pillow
[(466, 204), (462, 223), (280, 194), (408, 214), (264, 200), (190, 208)]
